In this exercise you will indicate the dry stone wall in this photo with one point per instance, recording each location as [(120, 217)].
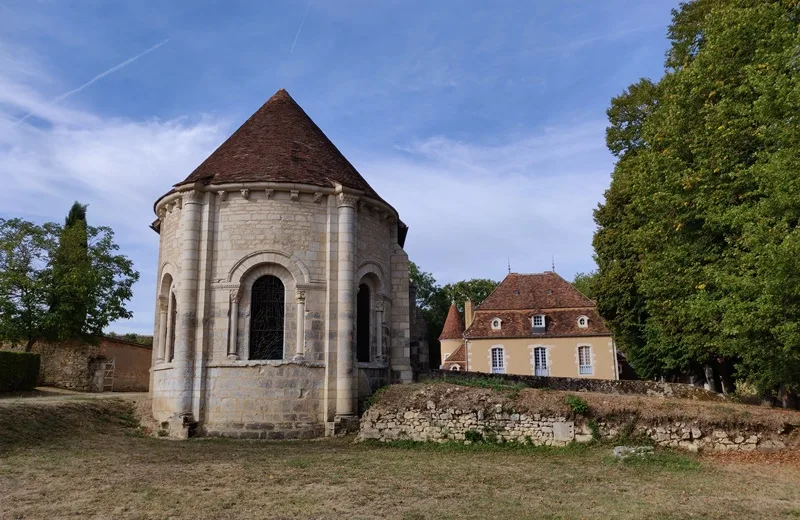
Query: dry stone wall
[(456, 425)]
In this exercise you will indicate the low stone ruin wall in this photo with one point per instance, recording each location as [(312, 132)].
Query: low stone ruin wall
[(459, 414), (573, 384), (469, 425)]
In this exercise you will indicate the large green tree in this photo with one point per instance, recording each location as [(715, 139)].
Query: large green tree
[(60, 282), (697, 244)]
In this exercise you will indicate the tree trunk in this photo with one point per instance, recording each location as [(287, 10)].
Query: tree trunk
[(787, 397), (711, 378), (725, 370)]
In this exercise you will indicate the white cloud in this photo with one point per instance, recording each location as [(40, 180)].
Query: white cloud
[(471, 207), (118, 166)]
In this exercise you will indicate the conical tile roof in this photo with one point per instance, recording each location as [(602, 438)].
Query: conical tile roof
[(453, 325), (279, 143)]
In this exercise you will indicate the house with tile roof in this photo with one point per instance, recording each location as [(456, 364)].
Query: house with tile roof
[(532, 324), (283, 287)]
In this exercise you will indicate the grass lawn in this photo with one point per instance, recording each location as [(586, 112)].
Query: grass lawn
[(111, 472)]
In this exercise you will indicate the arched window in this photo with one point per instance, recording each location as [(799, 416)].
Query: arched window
[(266, 318), (363, 324)]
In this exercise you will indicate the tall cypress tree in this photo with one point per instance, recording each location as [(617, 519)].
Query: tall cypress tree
[(71, 284)]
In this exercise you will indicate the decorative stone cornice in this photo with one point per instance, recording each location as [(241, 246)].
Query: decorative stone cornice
[(346, 200)]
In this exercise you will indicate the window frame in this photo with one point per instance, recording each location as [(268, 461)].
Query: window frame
[(501, 367), (497, 324), (533, 321), (585, 369), (546, 358), (585, 320)]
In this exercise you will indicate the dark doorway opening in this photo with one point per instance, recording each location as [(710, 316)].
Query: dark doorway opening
[(362, 324)]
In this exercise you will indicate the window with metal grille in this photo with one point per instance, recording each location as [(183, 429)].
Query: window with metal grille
[(498, 362), (585, 360), (540, 361), (266, 318), (538, 321)]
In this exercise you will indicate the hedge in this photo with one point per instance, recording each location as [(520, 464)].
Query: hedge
[(18, 370)]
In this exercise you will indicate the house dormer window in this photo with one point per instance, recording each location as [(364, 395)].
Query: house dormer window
[(583, 322), (538, 321), (497, 324)]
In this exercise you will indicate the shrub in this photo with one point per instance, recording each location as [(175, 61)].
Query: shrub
[(18, 370), (473, 436), (578, 405)]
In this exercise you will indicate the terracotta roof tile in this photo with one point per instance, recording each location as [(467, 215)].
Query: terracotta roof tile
[(279, 143), (459, 355), (453, 325), (517, 324), (534, 291)]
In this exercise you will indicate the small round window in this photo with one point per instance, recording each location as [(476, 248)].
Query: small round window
[(583, 322), (496, 324)]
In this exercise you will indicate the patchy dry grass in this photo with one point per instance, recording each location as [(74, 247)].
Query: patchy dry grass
[(96, 469)]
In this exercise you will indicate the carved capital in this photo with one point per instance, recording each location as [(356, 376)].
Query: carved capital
[(235, 295), (345, 200), (190, 197), (163, 303), (300, 296), (379, 305)]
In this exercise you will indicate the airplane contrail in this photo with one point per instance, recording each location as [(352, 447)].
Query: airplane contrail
[(100, 76), (296, 36)]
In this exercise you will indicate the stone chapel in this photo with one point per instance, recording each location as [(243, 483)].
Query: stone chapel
[(283, 287)]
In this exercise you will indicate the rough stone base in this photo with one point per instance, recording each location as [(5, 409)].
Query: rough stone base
[(270, 431), (341, 426)]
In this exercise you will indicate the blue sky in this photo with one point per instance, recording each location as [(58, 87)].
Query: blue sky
[(481, 122)]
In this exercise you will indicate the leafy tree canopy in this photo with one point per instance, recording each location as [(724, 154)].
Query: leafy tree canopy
[(698, 240), (59, 282)]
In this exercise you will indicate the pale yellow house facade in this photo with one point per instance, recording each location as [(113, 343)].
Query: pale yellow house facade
[(533, 324)]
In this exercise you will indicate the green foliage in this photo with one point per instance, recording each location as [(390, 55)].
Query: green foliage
[(698, 244), (585, 282), (578, 405), (595, 429), (60, 282), (473, 436), (24, 280), (18, 370), (434, 300)]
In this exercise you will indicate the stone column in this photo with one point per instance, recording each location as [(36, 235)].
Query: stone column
[(345, 375), (168, 346), (379, 329), (186, 297), (163, 307), (233, 339), (300, 299)]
